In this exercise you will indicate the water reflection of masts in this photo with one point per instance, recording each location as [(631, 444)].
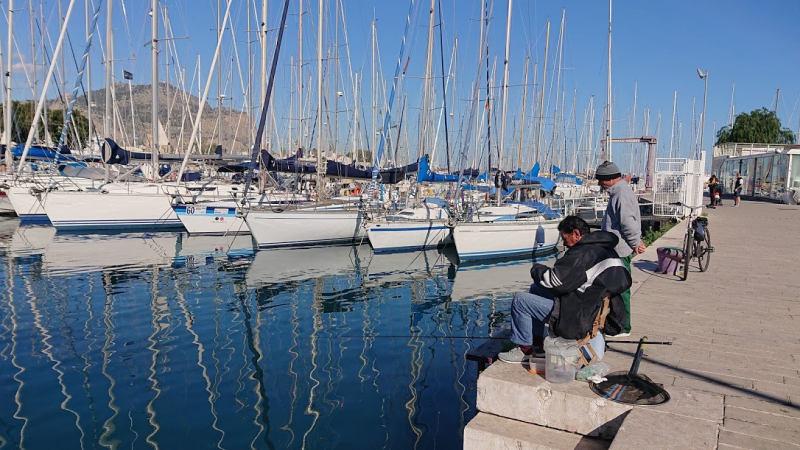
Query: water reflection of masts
[(189, 325), (416, 360), (294, 397), (255, 359), (157, 308), (9, 288), (47, 349), (109, 427), (317, 326)]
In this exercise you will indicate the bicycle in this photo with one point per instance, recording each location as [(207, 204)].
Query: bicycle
[(697, 241)]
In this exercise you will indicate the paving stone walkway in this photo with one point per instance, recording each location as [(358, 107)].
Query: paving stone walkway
[(735, 328)]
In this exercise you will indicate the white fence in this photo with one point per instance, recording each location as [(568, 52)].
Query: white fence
[(678, 180)]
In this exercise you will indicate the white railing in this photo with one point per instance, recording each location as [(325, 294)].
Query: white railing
[(678, 180)]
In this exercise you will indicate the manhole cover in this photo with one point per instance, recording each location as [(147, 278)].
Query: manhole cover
[(638, 389)]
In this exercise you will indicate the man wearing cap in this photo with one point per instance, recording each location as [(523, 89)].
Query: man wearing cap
[(622, 218)]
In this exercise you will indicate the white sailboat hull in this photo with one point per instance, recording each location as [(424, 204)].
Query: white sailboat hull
[(487, 240), (406, 235), (213, 218), (5, 204), (299, 228), (146, 207), (27, 206)]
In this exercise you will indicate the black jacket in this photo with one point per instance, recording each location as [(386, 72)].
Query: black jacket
[(588, 272)]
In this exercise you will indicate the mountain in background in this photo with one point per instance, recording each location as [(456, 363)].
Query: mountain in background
[(176, 112)]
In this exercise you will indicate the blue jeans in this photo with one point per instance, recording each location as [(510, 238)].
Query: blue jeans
[(530, 311)]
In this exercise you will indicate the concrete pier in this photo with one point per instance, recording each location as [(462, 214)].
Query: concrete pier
[(732, 371)]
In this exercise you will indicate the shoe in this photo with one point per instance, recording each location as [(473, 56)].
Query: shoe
[(622, 335), (519, 355), (514, 356)]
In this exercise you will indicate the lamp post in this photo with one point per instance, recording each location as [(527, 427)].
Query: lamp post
[(703, 76)]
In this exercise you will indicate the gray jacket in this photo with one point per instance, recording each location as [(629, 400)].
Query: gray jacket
[(622, 218)]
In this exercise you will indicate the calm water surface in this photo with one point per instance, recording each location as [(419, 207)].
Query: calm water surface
[(163, 340)]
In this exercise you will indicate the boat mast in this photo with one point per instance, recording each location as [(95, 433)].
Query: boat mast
[(607, 140), (300, 79), (107, 121), (522, 112), (541, 95), (480, 58), (423, 138), (320, 170), (154, 84), (505, 98), (7, 101), (262, 38), (203, 98), (88, 76), (42, 99)]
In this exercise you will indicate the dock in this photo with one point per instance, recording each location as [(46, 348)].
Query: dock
[(733, 370)]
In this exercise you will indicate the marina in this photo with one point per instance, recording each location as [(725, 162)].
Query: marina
[(324, 224)]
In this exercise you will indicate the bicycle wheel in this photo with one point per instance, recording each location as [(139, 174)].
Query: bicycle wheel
[(687, 254), (704, 252)]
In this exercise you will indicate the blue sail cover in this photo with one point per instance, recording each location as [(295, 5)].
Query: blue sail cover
[(387, 176), (425, 174), (288, 165), (42, 152), (333, 168), (545, 183)]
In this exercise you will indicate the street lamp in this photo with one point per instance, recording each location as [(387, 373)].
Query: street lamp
[(705, 93)]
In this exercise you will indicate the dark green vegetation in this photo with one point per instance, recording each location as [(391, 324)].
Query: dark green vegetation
[(760, 126), (22, 117), (651, 235)]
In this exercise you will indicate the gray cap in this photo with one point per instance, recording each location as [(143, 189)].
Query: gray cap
[(607, 171)]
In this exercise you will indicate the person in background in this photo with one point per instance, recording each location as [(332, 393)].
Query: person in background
[(737, 190), (622, 217), (712, 187)]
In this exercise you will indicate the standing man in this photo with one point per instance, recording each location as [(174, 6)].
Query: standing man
[(737, 190), (622, 217)]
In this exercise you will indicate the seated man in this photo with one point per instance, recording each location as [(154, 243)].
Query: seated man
[(568, 295)]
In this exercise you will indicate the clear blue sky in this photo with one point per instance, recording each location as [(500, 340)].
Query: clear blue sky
[(658, 45)]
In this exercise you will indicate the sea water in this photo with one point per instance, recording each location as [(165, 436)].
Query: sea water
[(164, 340)]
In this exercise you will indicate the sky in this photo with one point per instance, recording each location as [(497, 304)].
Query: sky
[(657, 47)]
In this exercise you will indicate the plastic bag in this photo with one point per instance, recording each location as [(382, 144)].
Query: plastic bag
[(598, 368)]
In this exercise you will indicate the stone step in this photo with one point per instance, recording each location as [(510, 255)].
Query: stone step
[(490, 432), (509, 391)]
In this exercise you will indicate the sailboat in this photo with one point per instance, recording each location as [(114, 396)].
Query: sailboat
[(326, 222)]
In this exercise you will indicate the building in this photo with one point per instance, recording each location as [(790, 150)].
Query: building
[(769, 171)]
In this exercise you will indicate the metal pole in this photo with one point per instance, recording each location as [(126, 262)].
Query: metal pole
[(505, 100), (608, 93), (89, 105), (7, 112), (154, 85), (320, 170), (541, 94), (42, 98), (703, 130)]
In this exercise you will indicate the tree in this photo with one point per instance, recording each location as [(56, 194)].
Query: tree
[(22, 117), (761, 126)]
